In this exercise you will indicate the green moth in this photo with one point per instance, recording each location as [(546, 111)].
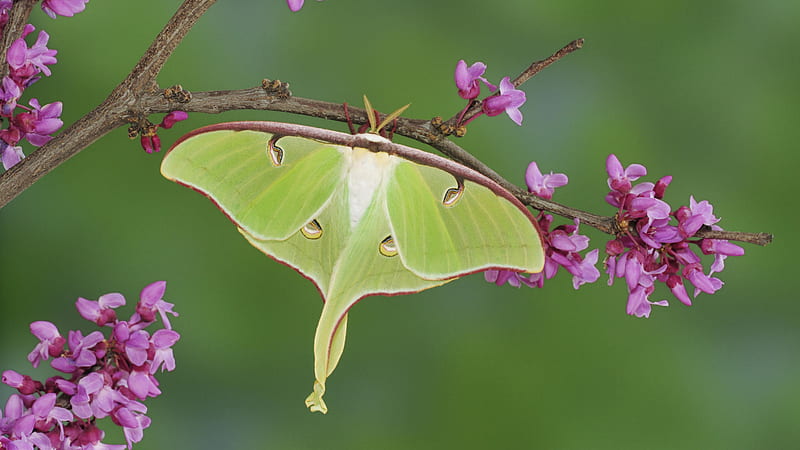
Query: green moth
[(356, 214)]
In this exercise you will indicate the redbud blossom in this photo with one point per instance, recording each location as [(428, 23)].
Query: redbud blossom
[(23, 60), (652, 247), (66, 8), (619, 179), (151, 143), (172, 118), (10, 155), (107, 376), (509, 101), (39, 123), (9, 94), (661, 186), (151, 301), (23, 383), (562, 245), (295, 5), (50, 342), (101, 311), (149, 139), (468, 79), (543, 186)]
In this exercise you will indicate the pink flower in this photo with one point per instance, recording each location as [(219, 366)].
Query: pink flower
[(703, 282), (136, 347), (172, 118), (23, 383), (650, 248), (51, 343), (619, 179), (501, 277), (162, 341), (10, 155), (675, 284), (296, 5), (10, 92), (543, 186), (101, 311), (23, 59), (562, 245), (639, 304), (142, 383), (150, 141), (93, 397), (105, 376), (39, 123), (66, 8), (151, 301), (47, 413), (721, 249), (83, 348), (468, 79), (133, 421), (703, 209), (584, 271), (509, 101)]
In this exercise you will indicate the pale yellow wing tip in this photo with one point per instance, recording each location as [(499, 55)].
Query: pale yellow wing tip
[(314, 401)]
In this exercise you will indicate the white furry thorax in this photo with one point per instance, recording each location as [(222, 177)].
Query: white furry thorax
[(368, 171)]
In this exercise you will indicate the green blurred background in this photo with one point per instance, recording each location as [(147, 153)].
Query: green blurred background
[(705, 91)]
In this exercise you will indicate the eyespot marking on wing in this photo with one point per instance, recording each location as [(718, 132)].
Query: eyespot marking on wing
[(452, 195), (387, 247), (274, 152), (312, 230)]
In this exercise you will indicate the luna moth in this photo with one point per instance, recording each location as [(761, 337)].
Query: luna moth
[(357, 215)]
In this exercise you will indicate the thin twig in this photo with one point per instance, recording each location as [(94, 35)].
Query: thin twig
[(526, 75), (750, 238), (137, 95), (538, 66)]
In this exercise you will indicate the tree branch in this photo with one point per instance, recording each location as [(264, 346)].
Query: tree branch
[(138, 96), (115, 111), (420, 130)]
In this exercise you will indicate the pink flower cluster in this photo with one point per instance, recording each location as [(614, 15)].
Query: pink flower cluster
[(508, 100), (36, 123), (654, 243), (105, 377), (562, 245)]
